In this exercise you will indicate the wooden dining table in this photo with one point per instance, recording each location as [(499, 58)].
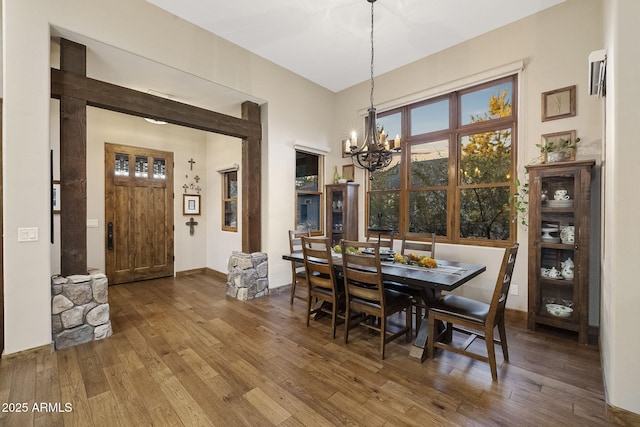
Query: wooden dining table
[(430, 282)]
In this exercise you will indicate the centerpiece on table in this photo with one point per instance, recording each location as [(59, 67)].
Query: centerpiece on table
[(415, 259)]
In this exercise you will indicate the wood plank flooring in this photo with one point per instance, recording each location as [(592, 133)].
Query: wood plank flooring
[(182, 353)]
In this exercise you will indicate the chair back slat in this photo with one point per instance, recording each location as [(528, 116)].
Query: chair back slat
[(419, 242)]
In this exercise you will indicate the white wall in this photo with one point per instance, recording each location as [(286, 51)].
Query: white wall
[(554, 54), (621, 293)]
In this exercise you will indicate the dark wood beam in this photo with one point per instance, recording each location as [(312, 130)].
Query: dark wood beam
[(251, 188), (73, 166), (128, 101)]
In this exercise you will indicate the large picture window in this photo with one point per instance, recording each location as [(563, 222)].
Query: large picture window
[(455, 173), (309, 192)]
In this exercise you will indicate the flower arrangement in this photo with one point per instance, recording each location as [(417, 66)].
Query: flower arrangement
[(415, 259)]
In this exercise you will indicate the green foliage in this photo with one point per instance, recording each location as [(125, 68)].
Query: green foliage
[(520, 203)]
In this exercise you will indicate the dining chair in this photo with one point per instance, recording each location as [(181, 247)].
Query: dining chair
[(472, 315), (425, 244), (322, 285), (298, 274), (385, 240), (368, 303)]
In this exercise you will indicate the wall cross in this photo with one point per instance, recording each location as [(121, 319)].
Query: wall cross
[(192, 162), (191, 223)]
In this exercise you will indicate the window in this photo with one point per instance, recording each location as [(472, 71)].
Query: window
[(309, 192), (230, 200), (455, 174)]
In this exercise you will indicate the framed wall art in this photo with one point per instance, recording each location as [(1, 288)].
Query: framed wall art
[(191, 204), (559, 103), (348, 172)]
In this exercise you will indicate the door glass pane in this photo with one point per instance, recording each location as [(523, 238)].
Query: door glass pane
[(485, 157), (122, 164), (486, 104), (159, 169), (428, 212), (430, 117), (142, 167), (430, 164), (484, 213), (308, 212)]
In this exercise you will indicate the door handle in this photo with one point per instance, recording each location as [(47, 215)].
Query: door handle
[(110, 236)]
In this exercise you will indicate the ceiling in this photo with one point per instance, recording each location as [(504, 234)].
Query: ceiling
[(328, 41)]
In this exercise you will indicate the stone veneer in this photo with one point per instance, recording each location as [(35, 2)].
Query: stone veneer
[(79, 309), (247, 275)]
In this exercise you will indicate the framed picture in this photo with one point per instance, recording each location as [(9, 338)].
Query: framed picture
[(191, 204), (559, 103), (346, 147), (348, 172), (55, 197)]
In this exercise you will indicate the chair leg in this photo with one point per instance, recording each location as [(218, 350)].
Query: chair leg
[(347, 321), (409, 323), (334, 314), (309, 298), (503, 339), (293, 289), (491, 352), (383, 335)]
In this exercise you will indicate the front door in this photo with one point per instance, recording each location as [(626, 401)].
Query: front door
[(138, 213)]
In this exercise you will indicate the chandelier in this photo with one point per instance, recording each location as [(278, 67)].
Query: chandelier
[(375, 153)]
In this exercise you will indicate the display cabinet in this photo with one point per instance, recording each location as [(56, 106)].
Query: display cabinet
[(342, 212), (559, 229)]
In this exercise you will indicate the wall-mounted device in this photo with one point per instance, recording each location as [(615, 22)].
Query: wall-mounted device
[(597, 72)]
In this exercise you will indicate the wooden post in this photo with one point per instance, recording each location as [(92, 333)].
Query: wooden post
[(251, 187), (73, 166)]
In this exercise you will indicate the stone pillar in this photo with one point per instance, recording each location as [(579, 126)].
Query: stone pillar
[(79, 309), (247, 275)]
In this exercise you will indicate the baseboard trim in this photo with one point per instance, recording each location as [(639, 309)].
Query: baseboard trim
[(622, 416), (215, 273), (47, 348), (190, 272)]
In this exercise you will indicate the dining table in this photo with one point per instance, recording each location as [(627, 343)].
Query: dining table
[(429, 282)]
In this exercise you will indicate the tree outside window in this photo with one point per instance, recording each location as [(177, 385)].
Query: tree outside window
[(230, 201), (309, 192)]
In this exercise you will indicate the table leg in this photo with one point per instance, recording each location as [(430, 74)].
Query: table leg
[(419, 350)]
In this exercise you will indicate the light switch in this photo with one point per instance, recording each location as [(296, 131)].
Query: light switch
[(28, 234), (92, 223)]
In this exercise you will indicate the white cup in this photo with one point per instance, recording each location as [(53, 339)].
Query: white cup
[(554, 273), (561, 195)]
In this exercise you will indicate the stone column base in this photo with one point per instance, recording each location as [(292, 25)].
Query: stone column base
[(248, 275)]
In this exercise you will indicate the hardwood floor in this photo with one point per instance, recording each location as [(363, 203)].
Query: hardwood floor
[(182, 353)]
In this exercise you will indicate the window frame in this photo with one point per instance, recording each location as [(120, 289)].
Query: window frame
[(319, 193), (454, 135), (227, 199)]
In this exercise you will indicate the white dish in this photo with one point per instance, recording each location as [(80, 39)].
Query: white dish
[(559, 310)]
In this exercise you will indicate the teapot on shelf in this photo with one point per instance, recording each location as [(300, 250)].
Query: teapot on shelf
[(567, 268)]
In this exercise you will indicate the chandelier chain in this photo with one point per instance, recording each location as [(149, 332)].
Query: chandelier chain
[(372, 57)]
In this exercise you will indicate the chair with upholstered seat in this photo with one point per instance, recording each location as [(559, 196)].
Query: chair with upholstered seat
[(471, 315), (424, 244), (298, 275), (385, 240), (322, 286), (368, 303)]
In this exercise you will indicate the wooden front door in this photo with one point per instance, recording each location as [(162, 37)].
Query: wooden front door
[(138, 213)]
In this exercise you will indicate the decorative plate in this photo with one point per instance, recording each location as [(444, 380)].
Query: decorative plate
[(559, 310), (568, 234)]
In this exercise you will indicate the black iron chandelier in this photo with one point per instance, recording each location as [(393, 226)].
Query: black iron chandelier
[(375, 153)]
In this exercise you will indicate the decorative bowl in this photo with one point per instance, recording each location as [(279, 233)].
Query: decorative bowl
[(559, 310)]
